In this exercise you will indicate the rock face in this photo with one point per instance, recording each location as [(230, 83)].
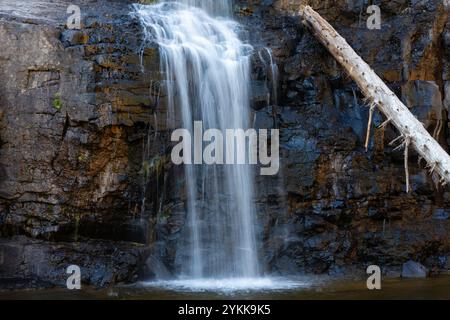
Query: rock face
[(84, 170), (75, 120), (34, 263), (344, 208)]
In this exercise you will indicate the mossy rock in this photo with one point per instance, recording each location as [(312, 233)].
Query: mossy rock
[(57, 103)]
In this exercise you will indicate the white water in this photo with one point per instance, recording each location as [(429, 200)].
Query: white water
[(208, 70), (273, 76), (231, 285), (213, 7)]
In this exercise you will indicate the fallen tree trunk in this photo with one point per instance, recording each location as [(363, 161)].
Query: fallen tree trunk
[(377, 92)]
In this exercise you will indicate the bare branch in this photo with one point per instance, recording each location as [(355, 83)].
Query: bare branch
[(376, 91)]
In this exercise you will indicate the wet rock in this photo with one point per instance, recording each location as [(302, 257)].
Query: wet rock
[(75, 117), (155, 269), (76, 114), (349, 205), (78, 111), (392, 273), (412, 269), (41, 262), (423, 95), (447, 95)]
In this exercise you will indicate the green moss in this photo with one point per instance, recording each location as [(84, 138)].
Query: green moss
[(164, 215), (82, 157), (153, 166), (147, 1), (57, 104), (146, 169)]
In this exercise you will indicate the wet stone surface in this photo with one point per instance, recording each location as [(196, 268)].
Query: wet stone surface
[(83, 139)]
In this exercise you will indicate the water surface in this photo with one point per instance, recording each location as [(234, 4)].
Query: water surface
[(304, 288)]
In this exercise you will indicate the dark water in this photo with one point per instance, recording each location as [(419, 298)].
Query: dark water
[(430, 288)]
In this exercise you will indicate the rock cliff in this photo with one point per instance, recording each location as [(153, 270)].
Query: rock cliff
[(84, 171)]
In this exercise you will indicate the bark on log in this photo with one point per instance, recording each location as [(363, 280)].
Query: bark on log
[(412, 131)]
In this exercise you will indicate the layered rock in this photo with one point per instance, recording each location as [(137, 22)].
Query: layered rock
[(84, 171), (76, 116), (36, 263), (346, 208)]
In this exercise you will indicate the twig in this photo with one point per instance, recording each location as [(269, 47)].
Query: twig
[(407, 142), (369, 124), (419, 160), (432, 168), (395, 140), (384, 124), (376, 91), (437, 130)]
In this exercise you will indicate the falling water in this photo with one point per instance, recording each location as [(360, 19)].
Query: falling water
[(208, 70), (213, 7), (273, 67)]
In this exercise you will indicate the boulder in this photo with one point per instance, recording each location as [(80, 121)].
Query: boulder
[(412, 269)]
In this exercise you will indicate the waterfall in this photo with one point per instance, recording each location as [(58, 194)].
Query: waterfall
[(273, 67), (207, 68), (214, 7)]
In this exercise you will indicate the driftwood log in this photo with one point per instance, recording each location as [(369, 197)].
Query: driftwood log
[(412, 131)]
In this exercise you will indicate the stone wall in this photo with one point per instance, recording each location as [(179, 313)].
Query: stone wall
[(78, 127), (84, 172), (345, 208)]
